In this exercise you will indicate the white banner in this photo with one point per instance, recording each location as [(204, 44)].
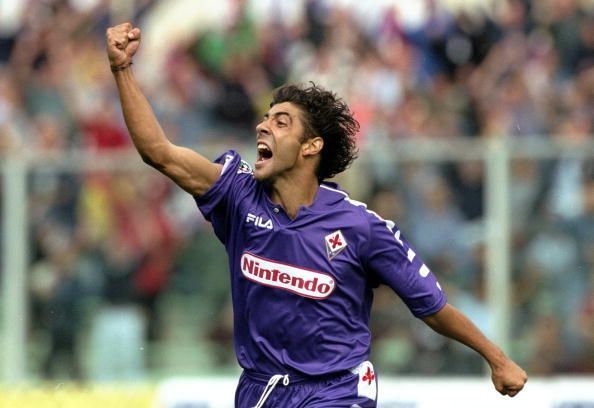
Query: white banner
[(559, 392)]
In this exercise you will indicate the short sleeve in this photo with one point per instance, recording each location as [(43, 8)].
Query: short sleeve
[(394, 263), (219, 204)]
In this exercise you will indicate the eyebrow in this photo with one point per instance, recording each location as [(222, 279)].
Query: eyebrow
[(277, 114)]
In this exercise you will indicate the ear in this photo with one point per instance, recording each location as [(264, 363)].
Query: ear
[(312, 146)]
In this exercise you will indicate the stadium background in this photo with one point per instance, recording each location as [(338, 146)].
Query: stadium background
[(476, 138)]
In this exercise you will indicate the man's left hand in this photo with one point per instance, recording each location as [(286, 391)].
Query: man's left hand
[(508, 378)]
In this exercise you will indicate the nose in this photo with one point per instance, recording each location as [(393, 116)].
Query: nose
[(262, 128)]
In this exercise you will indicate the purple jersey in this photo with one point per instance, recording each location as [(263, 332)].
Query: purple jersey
[(302, 288)]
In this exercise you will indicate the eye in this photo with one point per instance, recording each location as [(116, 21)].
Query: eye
[(280, 123)]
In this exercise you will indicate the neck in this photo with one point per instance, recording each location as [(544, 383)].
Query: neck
[(293, 193)]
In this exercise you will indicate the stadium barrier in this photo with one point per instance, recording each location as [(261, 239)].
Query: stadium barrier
[(559, 392), (218, 392)]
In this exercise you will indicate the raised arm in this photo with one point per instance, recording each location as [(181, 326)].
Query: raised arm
[(188, 169), (508, 378)]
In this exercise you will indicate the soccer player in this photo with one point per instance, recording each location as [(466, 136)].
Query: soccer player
[(303, 256)]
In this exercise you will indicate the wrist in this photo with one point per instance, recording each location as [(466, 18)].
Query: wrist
[(121, 67), (496, 359)]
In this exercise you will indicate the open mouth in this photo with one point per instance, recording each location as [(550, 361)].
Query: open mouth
[(264, 152)]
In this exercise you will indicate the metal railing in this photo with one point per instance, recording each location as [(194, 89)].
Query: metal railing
[(495, 153)]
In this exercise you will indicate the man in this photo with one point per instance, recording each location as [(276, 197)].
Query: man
[(303, 256)]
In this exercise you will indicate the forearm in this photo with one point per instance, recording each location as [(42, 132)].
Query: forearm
[(147, 135), (188, 169), (508, 378), (451, 323)]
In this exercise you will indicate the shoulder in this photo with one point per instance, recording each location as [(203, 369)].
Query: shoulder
[(231, 160), (234, 166), (335, 196), (341, 200), (236, 178), (368, 221)]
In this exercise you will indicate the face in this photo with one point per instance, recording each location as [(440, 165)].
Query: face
[(280, 138)]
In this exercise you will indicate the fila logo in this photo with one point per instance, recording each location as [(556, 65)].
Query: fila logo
[(335, 243), (258, 221), (303, 282)]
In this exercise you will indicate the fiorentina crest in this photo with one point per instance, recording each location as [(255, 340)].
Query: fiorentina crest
[(335, 243)]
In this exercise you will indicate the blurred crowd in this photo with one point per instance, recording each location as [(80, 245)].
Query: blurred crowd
[(126, 280)]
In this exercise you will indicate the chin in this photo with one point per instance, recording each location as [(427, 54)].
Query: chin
[(267, 177), (261, 176)]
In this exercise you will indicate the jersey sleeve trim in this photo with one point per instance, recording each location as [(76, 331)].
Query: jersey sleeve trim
[(439, 304)]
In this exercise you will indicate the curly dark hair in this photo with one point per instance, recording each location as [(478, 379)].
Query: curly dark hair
[(326, 116)]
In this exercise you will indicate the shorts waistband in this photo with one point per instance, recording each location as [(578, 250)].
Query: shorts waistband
[(296, 378)]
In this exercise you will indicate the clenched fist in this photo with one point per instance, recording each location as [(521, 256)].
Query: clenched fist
[(123, 41), (508, 378)]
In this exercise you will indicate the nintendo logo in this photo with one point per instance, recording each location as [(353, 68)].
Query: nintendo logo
[(304, 282)]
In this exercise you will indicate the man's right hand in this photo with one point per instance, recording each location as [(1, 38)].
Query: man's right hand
[(123, 41), (187, 168)]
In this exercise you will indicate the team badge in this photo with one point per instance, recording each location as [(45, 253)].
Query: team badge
[(244, 167), (335, 243)]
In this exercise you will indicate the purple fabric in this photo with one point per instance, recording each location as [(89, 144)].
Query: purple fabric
[(302, 288), (340, 391)]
